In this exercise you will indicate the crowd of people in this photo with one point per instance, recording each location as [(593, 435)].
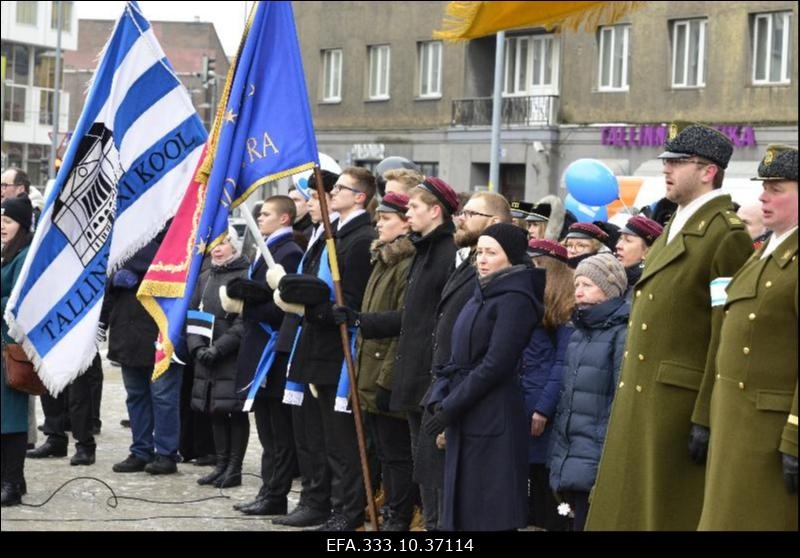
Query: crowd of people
[(514, 366)]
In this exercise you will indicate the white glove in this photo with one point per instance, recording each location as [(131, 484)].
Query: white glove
[(313, 389), (288, 307), (230, 305), (274, 275)]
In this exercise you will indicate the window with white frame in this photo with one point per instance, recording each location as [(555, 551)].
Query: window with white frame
[(430, 69), (27, 13), (66, 22), (379, 72), (332, 75), (531, 65), (771, 48), (688, 53), (614, 57)]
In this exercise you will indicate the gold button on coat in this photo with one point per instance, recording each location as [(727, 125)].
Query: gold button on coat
[(746, 350), (768, 284), (639, 388), (751, 317), (641, 357), (650, 296), (621, 384), (741, 385), (638, 294), (644, 327)]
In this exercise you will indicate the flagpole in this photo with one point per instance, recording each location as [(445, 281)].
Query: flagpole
[(356, 403), (253, 228)]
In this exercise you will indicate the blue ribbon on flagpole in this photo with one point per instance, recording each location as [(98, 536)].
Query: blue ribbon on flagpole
[(264, 364), (343, 388)]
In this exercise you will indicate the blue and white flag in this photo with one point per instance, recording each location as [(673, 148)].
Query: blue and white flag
[(131, 158)]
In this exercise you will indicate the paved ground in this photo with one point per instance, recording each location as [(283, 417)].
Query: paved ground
[(86, 504)]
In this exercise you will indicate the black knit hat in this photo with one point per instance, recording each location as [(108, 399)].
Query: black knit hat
[(512, 239), (20, 210), (779, 163), (685, 139)]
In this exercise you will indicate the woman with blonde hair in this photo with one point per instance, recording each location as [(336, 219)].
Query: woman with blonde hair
[(542, 366)]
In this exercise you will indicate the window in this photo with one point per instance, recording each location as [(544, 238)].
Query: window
[(379, 72), (44, 68), (47, 99), (530, 65), (429, 169), (688, 53), (430, 69), (66, 19), (614, 57), (332, 75), (26, 13), (771, 47), (14, 103), (17, 63)]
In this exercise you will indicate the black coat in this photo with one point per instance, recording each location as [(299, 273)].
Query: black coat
[(286, 253), (486, 460), (460, 286), (214, 388), (415, 322), (132, 333), (318, 358)]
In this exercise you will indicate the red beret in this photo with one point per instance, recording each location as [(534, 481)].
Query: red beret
[(647, 229), (394, 202), (542, 247), (443, 192), (587, 230)]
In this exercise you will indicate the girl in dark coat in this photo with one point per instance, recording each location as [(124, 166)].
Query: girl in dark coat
[(214, 390), (477, 396), (16, 236), (542, 370), (594, 356)]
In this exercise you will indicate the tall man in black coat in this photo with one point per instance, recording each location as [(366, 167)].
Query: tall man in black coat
[(318, 357), (273, 418), (430, 208)]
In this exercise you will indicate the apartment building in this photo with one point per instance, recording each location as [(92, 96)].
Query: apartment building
[(379, 85)]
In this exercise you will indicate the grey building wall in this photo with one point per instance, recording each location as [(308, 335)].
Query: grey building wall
[(728, 96), (353, 27), (534, 157)]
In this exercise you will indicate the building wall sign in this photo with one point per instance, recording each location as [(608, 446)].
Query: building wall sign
[(367, 151), (655, 136)]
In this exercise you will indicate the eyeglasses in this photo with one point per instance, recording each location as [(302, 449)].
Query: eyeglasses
[(466, 214), (4, 185), (337, 187), (680, 162)]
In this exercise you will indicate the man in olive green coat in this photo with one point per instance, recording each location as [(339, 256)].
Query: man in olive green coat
[(751, 477), (646, 479)]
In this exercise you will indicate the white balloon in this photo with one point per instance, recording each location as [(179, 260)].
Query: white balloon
[(326, 162)]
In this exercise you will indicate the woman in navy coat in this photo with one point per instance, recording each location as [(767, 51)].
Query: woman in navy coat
[(477, 399)]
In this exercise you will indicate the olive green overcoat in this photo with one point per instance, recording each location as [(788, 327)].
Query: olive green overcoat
[(646, 479), (754, 401)]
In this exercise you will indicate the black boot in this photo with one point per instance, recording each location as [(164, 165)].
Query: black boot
[(222, 444), (51, 448), (83, 456), (232, 476), (11, 494), (239, 436), (262, 493)]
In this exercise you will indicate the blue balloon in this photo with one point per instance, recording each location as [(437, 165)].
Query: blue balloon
[(591, 182), (585, 213)]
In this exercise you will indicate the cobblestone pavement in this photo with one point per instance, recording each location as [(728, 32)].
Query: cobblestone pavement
[(85, 504)]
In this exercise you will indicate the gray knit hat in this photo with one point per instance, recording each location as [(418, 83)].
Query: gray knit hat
[(606, 272)]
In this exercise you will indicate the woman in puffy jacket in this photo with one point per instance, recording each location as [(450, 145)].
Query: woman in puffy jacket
[(214, 389), (593, 360)]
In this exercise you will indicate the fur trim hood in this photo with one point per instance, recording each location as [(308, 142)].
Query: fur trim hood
[(393, 252)]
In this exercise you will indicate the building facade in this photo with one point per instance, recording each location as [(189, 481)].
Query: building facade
[(192, 47), (379, 85), (29, 41)]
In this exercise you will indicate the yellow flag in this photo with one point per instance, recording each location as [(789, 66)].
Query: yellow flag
[(470, 20)]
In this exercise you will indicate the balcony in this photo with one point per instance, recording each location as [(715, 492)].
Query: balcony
[(536, 110)]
